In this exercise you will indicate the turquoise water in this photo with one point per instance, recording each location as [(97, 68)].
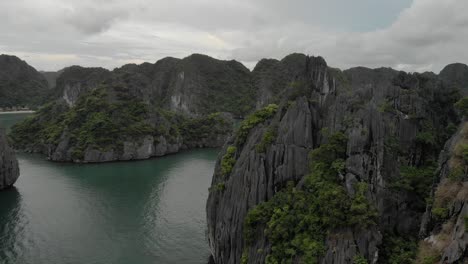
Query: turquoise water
[(150, 211)]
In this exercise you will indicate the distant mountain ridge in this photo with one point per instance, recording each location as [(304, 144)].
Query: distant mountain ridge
[(20, 84)]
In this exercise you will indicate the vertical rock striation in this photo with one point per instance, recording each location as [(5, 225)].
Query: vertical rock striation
[(9, 170)]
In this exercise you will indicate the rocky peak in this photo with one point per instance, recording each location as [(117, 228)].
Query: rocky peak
[(272, 78), (456, 75)]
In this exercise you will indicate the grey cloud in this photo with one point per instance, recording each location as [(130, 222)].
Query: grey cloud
[(90, 20), (410, 35)]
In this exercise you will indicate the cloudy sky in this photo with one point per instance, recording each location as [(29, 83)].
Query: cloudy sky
[(412, 35)]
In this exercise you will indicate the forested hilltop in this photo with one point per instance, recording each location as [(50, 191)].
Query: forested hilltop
[(345, 167)]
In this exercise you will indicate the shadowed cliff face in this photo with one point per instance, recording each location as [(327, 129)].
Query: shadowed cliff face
[(9, 170), (395, 123)]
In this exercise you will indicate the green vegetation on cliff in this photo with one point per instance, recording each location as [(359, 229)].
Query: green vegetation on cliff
[(462, 106), (415, 179), (228, 161), (296, 220), (254, 119), (267, 139), (194, 130), (398, 249)]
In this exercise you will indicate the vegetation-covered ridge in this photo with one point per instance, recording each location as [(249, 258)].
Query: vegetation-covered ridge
[(103, 120)]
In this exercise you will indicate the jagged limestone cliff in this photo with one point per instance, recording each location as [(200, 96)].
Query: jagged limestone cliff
[(9, 170), (365, 203)]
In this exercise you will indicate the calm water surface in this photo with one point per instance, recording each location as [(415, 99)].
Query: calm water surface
[(150, 211)]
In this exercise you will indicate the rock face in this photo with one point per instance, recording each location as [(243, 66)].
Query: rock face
[(395, 122), (75, 81), (9, 170), (20, 84), (445, 223)]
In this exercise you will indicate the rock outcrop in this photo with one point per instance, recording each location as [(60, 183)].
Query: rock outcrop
[(396, 124), (9, 170), (20, 84)]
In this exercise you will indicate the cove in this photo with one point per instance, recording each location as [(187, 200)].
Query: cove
[(150, 211)]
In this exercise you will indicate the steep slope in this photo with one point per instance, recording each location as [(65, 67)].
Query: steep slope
[(357, 147), (9, 170), (20, 84)]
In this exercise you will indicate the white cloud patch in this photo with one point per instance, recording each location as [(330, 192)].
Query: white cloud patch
[(414, 36)]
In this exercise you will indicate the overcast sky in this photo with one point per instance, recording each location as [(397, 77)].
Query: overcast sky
[(412, 35)]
